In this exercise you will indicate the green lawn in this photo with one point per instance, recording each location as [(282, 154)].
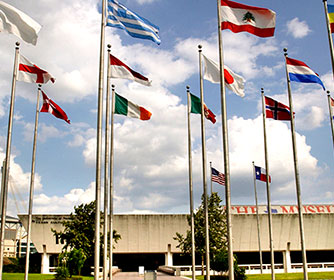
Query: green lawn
[(287, 276), (293, 276), (33, 276)]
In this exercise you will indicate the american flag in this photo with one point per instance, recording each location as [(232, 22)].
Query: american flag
[(217, 177)]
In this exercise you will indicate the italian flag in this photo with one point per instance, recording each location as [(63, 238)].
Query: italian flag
[(127, 108), (196, 108)]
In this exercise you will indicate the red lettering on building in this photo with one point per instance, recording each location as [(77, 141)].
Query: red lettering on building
[(291, 209), (320, 208)]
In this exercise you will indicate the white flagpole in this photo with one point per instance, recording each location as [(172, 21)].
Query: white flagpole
[(226, 150), (106, 176), (330, 39), (211, 176), (330, 114), (257, 220), (192, 219), (299, 200), (111, 191), (98, 148), (205, 192), (32, 185), (7, 158), (270, 219)]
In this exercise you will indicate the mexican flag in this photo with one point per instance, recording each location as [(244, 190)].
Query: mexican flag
[(196, 108), (127, 108)]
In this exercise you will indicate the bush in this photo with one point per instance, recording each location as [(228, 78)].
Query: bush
[(220, 263), (62, 273)]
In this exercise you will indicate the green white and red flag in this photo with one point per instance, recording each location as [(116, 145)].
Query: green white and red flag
[(127, 108)]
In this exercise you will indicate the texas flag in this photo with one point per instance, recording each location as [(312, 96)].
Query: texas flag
[(51, 107), (30, 73), (233, 81), (121, 70), (300, 72), (260, 174)]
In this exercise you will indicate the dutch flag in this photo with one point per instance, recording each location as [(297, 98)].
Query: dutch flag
[(300, 72)]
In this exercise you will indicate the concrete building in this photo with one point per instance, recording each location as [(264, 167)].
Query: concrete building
[(147, 240)]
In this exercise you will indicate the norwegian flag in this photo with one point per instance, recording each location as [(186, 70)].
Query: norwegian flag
[(30, 73), (276, 110), (51, 107)]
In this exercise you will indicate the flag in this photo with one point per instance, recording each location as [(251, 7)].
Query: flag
[(30, 73), (196, 108), (233, 81), (300, 72), (239, 17), (121, 17), (127, 108), (260, 174), (332, 106), (330, 9), (120, 70), (217, 177), (15, 22), (51, 107), (276, 110)]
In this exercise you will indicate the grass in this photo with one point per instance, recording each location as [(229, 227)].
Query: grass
[(287, 276), (35, 276), (293, 276)]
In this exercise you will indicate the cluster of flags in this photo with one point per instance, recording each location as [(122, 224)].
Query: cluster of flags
[(234, 16)]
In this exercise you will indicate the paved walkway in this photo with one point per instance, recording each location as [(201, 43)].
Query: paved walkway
[(136, 276)]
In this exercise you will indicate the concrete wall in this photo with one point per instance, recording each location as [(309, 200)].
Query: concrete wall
[(153, 233), (318, 229)]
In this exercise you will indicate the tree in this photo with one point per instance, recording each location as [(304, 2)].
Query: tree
[(79, 233), (217, 229), (217, 237)]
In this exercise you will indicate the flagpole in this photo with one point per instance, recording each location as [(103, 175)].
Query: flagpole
[(330, 114), (106, 175), (330, 39), (270, 219), (98, 147), (32, 185), (211, 176), (226, 150), (111, 190), (257, 220), (7, 158), (192, 219), (207, 244), (300, 213)]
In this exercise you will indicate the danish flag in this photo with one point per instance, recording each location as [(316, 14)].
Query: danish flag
[(30, 73), (51, 107)]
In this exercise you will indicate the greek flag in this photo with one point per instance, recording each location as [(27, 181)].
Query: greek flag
[(121, 17)]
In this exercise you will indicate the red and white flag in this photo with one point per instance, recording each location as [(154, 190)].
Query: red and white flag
[(30, 73), (121, 70), (51, 107), (255, 20), (233, 81)]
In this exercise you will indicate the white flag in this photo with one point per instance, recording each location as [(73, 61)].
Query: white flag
[(233, 81), (18, 23), (31, 73)]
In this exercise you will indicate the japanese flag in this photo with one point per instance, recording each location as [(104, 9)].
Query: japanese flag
[(233, 81)]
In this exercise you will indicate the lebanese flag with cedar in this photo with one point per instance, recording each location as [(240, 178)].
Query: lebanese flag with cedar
[(30, 73), (51, 107)]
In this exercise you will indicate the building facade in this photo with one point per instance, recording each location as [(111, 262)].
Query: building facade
[(148, 240)]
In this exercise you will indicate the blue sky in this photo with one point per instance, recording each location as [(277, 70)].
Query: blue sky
[(151, 170)]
